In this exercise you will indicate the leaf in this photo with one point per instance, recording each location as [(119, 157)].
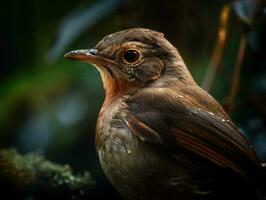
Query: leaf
[(246, 10), (78, 21)]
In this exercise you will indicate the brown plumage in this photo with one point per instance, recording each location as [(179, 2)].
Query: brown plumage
[(159, 135)]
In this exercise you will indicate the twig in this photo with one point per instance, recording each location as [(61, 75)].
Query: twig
[(236, 75), (218, 50)]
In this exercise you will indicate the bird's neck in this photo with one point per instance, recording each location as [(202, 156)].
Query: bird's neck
[(175, 74), (115, 89)]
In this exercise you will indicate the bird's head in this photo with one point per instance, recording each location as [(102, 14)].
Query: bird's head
[(132, 59)]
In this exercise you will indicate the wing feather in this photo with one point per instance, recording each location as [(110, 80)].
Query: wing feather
[(176, 125)]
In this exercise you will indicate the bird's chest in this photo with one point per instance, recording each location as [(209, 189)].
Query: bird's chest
[(121, 153), (112, 136), (115, 143)]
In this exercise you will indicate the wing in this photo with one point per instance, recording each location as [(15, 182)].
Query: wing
[(169, 120)]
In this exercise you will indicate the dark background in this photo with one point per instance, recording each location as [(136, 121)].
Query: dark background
[(50, 104)]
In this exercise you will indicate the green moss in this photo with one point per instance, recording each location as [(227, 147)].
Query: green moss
[(33, 176)]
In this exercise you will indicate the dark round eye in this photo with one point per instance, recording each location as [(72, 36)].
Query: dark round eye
[(131, 56)]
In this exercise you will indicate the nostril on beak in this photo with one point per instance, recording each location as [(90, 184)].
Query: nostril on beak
[(93, 51)]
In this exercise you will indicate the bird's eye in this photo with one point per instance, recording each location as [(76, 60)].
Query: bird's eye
[(131, 56)]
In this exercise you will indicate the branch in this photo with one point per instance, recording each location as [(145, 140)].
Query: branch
[(32, 177), (218, 50), (236, 76)]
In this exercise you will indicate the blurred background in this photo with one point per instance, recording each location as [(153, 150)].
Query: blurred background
[(50, 105)]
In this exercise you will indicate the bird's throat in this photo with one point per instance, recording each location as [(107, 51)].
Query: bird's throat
[(114, 87)]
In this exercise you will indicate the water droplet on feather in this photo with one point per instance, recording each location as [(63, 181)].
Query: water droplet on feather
[(211, 113)]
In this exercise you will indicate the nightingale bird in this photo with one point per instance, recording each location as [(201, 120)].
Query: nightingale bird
[(158, 134)]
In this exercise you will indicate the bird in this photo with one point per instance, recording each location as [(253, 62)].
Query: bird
[(158, 134)]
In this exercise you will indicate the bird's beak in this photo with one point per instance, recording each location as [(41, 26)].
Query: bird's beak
[(89, 55)]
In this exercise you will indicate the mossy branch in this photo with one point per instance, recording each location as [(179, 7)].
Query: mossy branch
[(32, 177)]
